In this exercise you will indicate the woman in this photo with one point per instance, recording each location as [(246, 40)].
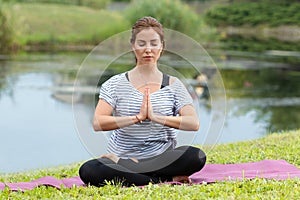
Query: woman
[(143, 107)]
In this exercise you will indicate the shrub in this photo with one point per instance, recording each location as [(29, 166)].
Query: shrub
[(252, 44), (5, 33), (53, 25), (237, 14), (97, 4), (173, 14)]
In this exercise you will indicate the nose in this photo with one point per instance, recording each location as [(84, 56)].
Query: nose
[(148, 48)]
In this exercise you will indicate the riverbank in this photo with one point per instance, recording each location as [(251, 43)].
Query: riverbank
[(284, 145), (59, 27), (284, 33), (48, 27), (257, 26)]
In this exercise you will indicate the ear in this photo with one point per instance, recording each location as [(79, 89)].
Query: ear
[(161, 50), (162, 44), (132, 47)]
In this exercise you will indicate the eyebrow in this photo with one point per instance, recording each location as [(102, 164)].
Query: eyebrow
[(154, 40)]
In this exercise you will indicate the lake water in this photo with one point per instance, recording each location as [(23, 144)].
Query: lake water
[(40, 127)]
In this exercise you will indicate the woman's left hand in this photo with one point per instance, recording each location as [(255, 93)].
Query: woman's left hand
[(150, 114), (111, 156)]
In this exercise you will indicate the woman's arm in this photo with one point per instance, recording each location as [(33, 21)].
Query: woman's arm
[(187, 119), (104, 121)]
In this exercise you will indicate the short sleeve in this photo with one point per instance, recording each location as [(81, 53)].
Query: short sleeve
[(181, 96), (107, 92)]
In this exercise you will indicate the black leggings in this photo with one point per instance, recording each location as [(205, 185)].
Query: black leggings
[(181, 161)]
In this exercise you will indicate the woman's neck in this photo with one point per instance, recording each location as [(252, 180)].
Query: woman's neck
[(145, 75), (147, 69)]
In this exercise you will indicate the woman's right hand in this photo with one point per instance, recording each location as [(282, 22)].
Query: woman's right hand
[(111, 156), (144, 107)]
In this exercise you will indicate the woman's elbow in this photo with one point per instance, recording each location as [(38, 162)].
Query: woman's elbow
[(196, 126), (96, 128), (96, 125)]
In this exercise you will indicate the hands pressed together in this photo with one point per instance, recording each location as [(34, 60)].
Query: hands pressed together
[(146, 111)]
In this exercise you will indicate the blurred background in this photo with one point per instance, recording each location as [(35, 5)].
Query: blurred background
[(254, 44)]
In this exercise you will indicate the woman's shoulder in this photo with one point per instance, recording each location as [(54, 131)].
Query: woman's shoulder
[(115, 79), (173, 79), (176, 84), (117, 76)]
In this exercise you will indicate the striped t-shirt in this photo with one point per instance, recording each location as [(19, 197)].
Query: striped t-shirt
[(147, 139)]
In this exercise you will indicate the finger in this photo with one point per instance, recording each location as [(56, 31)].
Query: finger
[(145, 98), (147, 90), (149, 111), (103, 156), (143, 109), (148, 95)]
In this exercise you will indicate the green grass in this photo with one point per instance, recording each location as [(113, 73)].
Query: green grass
[(37, 24), (283, 145)]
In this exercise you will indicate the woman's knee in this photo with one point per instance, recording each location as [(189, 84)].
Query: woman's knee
[(196, 157), (202, 158), (199, 159), (86, 171), (92, 172)]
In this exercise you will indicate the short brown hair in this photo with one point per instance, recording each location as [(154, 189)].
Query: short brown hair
[(144, 23)]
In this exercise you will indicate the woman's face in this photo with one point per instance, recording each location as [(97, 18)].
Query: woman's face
[(147, 46)]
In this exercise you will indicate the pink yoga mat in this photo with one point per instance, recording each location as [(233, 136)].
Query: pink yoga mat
[(269, 169), (47, 180)]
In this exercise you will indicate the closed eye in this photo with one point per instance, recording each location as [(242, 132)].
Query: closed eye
[(141, 44)]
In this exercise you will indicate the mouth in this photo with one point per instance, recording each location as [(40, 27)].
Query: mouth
[(147, 57)]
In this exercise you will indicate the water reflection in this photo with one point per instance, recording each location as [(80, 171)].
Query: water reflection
[(260, 82), (38, 129)]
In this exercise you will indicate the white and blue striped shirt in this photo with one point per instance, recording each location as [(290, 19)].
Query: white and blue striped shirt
[(148, 138)]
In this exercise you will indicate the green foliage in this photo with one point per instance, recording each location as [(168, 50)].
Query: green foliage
[(56, 25), (96, 4), (252, 44), (173, 14), (121, 1), (6, 39), (238, 14), (196, 0)]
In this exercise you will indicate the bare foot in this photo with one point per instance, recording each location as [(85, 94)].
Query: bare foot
[(182, 179)]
